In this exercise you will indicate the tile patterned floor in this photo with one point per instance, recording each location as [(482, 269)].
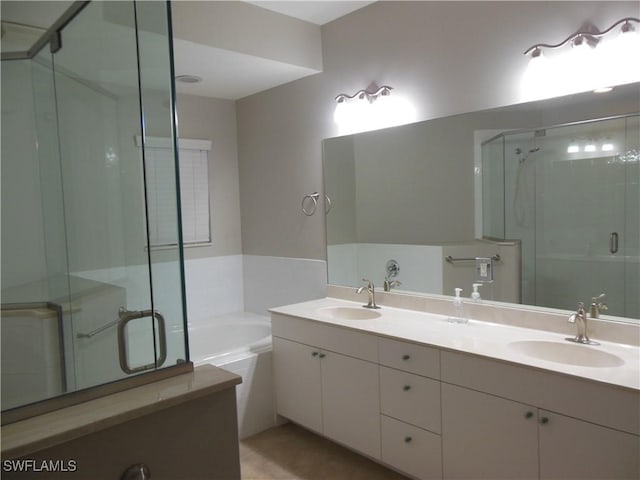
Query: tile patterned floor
[(289, 452)]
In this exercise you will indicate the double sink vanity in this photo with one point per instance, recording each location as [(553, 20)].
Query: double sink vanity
[(504, 396)]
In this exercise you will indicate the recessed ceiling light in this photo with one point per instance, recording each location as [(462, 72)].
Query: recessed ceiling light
[(188, 79), (603, 90)]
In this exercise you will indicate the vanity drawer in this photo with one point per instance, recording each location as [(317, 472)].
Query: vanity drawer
[(410, 398), (411, 449), (409, 357)]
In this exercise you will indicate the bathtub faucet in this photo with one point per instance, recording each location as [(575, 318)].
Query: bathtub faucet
[(389, 284), (371, 290)]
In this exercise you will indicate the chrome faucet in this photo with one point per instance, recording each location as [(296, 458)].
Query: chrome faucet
[(389, 284), (371, 290), (580, 319), (597, 305)]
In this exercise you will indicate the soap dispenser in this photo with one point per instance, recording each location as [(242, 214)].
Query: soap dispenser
[(475, 296), (459, 314)]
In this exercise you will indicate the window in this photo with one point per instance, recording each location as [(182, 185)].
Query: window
[(194, 191)]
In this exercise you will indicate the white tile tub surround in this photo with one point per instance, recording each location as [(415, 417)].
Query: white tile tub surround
[(227, 287), (214, 286), (421, 266), (226, 284), (274, 281)]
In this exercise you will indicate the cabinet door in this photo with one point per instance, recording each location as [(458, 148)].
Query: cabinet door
[(575, 449), (350, 402), (296, 369), (487, 437)]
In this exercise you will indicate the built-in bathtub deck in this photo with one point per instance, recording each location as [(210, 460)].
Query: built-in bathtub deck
[(224, 338), (251, 359)]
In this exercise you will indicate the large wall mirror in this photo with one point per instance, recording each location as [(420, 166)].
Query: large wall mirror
[(548, 190)]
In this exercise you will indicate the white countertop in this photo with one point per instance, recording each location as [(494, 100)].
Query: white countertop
[(486, 339)]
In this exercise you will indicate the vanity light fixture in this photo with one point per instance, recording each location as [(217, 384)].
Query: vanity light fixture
[(371, 108), (573, 148), (597, 61), (607, 146), (371, 94), (590, 147), (590, 36)]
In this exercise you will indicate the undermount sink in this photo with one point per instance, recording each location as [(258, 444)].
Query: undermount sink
[(567, 353), (349, 313)]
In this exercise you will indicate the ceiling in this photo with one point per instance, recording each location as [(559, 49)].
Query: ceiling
[(317, 12), (226, 74)]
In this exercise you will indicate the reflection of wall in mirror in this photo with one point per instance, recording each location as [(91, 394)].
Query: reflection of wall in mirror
[(423, 267)]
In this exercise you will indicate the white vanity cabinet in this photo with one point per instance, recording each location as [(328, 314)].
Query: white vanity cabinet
[(324, 381), (440, 413), (496, 428)]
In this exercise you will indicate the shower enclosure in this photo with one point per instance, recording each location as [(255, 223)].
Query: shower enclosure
[(88, 297), (571, 194)]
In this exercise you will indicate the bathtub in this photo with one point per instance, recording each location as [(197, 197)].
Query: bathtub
[(240, 343)]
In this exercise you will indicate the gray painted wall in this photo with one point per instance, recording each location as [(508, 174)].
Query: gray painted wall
[(214, 119), (447, 57)]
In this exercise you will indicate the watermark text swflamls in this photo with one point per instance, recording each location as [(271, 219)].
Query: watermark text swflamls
[(32, 465)]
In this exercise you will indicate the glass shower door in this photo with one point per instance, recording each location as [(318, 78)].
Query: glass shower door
[(584, 216), (630, 158), (571, 195), (118, 328), (88, 296)]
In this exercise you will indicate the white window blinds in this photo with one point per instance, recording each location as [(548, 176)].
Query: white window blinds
[(194, 191)]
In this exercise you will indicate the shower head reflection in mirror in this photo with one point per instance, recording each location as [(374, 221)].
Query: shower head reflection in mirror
[(519, 207)]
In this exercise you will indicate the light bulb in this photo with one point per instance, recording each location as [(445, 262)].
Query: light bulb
[(617, 59), (537, 81), (573, 148), (579, 69)]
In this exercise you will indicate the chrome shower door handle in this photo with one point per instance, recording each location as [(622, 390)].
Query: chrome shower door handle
[(613, 242), (125, 317)]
